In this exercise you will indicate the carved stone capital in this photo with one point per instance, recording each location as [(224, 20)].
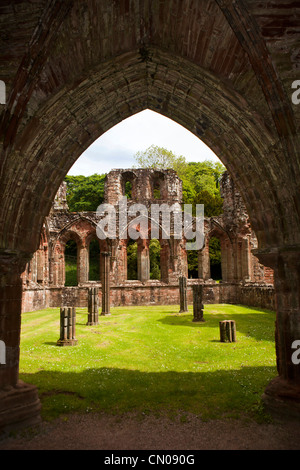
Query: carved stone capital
[(13, 263)]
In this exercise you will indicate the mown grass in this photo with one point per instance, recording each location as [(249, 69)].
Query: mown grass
[(151, 359)]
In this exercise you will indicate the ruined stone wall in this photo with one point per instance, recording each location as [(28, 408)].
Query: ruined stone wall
[(148, 186), (44, 276)]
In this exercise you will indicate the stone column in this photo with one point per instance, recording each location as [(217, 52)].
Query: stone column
[(282, 395), (82, 264), (204, 262), (143, 261), (19, 402), (105, 283), (197, 303), (246, 259), (183, 294), (67, 327), (93, 306)]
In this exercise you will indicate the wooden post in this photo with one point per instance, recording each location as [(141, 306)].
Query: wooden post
[(183, 294), (227, 331), (106, 285), (93, 306), (67, 327), (197, 303)]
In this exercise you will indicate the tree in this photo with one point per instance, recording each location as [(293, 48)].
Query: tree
[(215, 258), (85, 193), (160, 158), (131, 260), (213, 203)]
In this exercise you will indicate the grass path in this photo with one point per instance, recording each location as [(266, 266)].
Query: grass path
[(150, 359)]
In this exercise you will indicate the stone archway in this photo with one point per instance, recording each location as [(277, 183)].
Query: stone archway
[(218, 68)]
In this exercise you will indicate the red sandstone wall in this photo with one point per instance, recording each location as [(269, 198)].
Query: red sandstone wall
[(154, 294)]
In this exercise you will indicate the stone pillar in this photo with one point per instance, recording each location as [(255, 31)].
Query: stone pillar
[(227, 331), (282, 395), (197, 303), (246, 260), (19, 402), (204, 262), (183, 294), (143, 261), (67, 327), (165, 263), (105, 284), (93, 306), (82, 264)]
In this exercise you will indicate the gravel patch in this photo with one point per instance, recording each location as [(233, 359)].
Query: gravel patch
[(135, 432)]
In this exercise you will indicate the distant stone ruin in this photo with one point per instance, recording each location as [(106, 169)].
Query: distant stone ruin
[(244, 279)]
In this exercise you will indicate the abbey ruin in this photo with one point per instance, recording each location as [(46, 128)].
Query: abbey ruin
[(244, 279), (226, 71)]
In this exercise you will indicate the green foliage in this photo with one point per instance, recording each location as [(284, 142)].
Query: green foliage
[(214, 250), (71, 263), (200, 180), (200, 185), (128, 189), (154, 254), (213, 203), (132, 260), (215, 258), (94, 261), (160, 158), (192, 258), (85, 193)]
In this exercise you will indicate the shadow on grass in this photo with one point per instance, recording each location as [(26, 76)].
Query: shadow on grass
[(211, 395), (259, 324)]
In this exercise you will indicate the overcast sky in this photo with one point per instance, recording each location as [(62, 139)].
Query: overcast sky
[(117, 147)]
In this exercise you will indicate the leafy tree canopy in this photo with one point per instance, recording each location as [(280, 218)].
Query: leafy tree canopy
[(85, 193), (200, 180), (160, 158)]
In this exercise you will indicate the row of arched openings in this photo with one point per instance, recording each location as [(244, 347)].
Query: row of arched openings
[(71, 261)]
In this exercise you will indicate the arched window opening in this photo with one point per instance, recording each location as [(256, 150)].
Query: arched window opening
[(154, 254), (157, 185), (132, 270), (156, 189), (128, 178), (71, 263), (215, 259), (128, 189), (94, 261)]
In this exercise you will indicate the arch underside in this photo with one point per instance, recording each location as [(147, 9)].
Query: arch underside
[(173, 87), (89, 65), (222, 69)]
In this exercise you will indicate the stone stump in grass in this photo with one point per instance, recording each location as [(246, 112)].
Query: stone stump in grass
[(183, 294), (93, 306), (67, 327), (227, 331), (105, 284), (197, 303)]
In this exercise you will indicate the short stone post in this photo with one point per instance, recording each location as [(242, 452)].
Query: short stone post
[(106, 284), (197, 303), (93, 306), (183, 294), (67, 327), (227, 331)]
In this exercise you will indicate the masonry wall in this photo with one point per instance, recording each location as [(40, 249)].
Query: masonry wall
[(244, 279), (153, 293)]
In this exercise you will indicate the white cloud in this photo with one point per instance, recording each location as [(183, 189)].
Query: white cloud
[(117, 147)]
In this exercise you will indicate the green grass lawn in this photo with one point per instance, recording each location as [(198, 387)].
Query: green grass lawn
[(151, 359)]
